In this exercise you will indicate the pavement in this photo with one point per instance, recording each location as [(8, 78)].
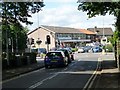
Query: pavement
[(10, 73), (109, 76)]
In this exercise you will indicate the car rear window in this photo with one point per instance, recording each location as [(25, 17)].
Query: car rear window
[(54, 54)]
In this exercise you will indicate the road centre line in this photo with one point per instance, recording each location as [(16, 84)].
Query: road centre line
[(50, 77), (41, 82), (92, 77)]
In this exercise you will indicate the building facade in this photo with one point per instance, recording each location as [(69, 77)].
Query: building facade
[(102, 34), (59, 36)]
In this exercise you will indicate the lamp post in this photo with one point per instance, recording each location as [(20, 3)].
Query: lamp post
[(103, 28)]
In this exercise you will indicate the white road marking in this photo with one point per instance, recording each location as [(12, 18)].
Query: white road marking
[(79, 60), (50, 77), (41, 82)]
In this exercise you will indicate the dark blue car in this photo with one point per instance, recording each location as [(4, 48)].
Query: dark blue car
[(55, 58)]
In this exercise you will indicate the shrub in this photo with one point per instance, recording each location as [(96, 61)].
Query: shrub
[(74, 49), (17, 60), (109, 48)]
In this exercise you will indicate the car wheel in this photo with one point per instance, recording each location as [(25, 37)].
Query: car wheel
[(46, 66), (66, 62), (73, 59)]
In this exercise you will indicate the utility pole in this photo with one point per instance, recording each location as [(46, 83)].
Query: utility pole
[(103, 28)]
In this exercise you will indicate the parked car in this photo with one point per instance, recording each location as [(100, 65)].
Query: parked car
[(87, 48), (96, 49), (81, 50), (68, 54), (53, 49), (42, 50), (55, 58), (34, 50)]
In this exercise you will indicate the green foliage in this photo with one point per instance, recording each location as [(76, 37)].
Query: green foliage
[(12, 14), (18, 61), (102, 8), (99, 8), (14, 32), (74, 49), (108, 48), (13, 11)]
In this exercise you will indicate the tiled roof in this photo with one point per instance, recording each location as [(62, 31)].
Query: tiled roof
[(86, 31), (57, 29), (107, 31)]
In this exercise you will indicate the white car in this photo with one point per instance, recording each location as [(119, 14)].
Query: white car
[(80, 50)]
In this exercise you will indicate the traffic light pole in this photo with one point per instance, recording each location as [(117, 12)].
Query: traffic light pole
[(48, 41), (48, 47)]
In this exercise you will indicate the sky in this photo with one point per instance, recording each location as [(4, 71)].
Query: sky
[(64, 13)]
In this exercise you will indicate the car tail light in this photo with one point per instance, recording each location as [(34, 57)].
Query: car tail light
[(46, 57)]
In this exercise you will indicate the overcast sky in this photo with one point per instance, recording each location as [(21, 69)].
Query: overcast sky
[(65, 13)]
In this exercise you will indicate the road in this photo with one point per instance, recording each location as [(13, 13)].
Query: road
[(75, 75)]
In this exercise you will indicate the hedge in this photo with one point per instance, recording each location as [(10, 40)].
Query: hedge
[(18, 59)]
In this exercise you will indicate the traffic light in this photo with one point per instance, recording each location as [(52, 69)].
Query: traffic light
[(48, 39), (32, 41), (58, 42)]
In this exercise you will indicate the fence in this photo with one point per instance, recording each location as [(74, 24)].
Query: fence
[(118, 55)]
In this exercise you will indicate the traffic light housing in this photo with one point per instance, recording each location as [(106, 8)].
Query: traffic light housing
[(58, 42), (32, 41), (48, 39)]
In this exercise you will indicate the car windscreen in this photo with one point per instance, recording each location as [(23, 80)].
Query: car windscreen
[(54, 54), (65, 52)]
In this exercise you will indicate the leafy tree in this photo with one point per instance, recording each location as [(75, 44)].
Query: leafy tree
[(102, 8), (13, 33), (20, 11)]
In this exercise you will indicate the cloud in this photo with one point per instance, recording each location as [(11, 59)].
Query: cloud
[(60, 1), (68, 15)]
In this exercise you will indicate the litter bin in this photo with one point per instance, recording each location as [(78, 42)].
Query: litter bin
[(18, 60), (28, 60)]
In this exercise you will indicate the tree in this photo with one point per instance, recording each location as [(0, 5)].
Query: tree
[(20, 36), (20, 11), (13, 34), (102, 8)]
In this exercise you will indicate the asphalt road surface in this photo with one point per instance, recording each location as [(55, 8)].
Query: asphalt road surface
[(75, 75)]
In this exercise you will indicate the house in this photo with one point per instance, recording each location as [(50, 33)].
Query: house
[(89, 34), (107, 32), (59, 36), (102, 34)]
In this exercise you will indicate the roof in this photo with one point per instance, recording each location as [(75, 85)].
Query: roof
[(32, 31), (58, 29), (87, 31), (107, 31)]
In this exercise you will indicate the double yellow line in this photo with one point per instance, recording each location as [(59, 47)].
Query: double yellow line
[(91, 80)]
